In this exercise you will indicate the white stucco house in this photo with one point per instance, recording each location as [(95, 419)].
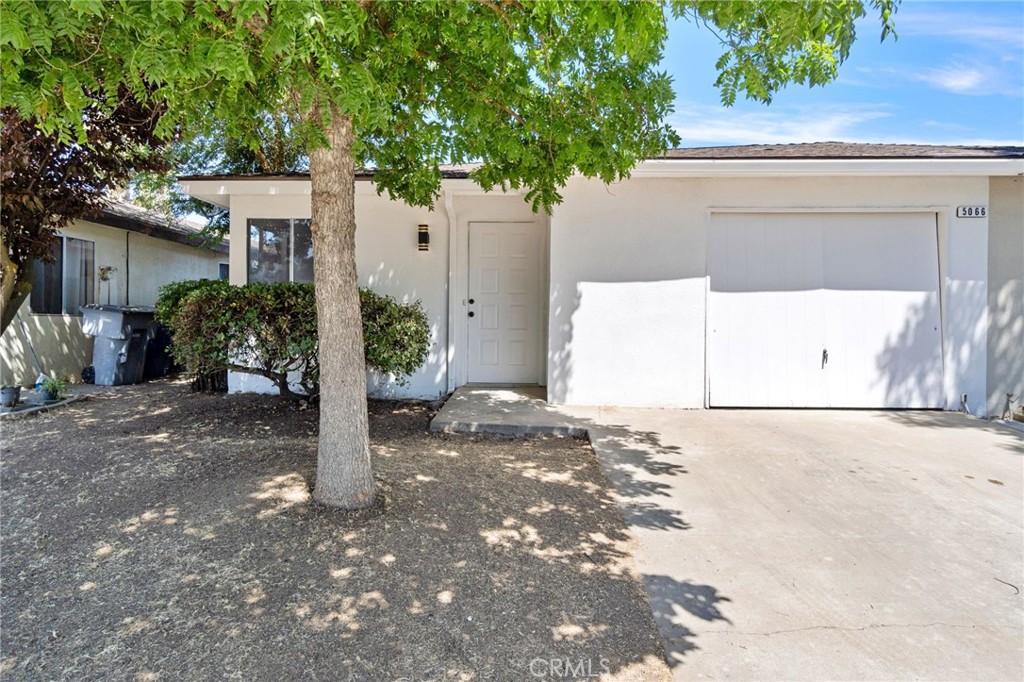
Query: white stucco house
[(121, 256), (810, 275)]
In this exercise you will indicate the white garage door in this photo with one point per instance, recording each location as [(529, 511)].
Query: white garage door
[(824, 310)]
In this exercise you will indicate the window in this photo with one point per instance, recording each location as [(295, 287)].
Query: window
[(66, 282), (280, 250), (224, 272)]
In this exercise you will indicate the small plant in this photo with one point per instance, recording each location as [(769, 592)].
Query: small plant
[(54, 388)]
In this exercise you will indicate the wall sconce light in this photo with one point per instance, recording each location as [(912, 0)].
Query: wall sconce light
[(423, 239)]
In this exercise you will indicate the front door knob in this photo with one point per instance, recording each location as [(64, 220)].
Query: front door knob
[(471, 313)]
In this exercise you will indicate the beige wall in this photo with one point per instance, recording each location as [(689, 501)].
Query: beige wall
[(156, 262), (58, 340), (1005, 292)]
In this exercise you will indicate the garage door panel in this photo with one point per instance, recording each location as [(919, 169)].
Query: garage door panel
[(891, 252), (884, 351), (750, 253), (765, 291), (882, 314), (786, 287)]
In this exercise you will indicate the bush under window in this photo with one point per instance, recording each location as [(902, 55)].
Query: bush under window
[(270, 330)]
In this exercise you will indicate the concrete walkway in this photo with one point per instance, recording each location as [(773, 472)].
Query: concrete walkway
[(807, 544)]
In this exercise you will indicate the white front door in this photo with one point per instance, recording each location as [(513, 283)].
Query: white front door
[(824, 310), (503, 307)]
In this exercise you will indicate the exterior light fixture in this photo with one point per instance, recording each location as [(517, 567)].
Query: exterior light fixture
[(423, 239)]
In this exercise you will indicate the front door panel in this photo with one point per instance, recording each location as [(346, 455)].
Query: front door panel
[(503, 308)]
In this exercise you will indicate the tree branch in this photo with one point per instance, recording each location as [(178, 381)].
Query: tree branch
[(497, 10)]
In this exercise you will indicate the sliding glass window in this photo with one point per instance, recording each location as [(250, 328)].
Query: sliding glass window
[(280, 250), (65, 281)]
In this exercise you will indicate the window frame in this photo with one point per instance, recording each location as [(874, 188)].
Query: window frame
[(64, 279), (249, 225)]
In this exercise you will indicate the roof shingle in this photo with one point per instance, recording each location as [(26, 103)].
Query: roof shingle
[(845, 150)]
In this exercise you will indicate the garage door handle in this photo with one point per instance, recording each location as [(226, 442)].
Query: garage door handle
[(824, 357)]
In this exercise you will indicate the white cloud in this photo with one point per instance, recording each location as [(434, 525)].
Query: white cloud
[(702, 125), (699, 124), (964, 27), (958, 78), (971, 51), (954, 78)]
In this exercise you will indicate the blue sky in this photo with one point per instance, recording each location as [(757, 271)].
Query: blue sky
[(954, 76)]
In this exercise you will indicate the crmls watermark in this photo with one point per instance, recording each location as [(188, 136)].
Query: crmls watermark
[(568, 669)]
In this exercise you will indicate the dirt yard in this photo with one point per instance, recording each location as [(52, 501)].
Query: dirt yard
[(155, 534)]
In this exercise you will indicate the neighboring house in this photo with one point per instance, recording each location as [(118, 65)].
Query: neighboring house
[(810, 275), (121, 256)]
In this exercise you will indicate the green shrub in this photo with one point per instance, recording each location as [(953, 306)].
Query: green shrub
[(396, 336), (168, 302), (263, 329), (270, 330), (169, 296)]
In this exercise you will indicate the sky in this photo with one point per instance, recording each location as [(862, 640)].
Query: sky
[(955, 75)]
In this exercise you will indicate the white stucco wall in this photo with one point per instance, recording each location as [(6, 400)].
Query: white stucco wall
[(628, 278), (58, 340), (388, 262), (627, 270), (1005, 293), (627, 295)]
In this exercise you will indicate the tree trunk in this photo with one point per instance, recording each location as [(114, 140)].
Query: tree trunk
[(343, 476), (14, 285)]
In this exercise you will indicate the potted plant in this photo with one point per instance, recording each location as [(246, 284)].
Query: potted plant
[(9, 396), (54, 388)]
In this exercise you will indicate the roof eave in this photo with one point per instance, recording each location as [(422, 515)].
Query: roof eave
[(834, 167), (164, 232), (218, 190)]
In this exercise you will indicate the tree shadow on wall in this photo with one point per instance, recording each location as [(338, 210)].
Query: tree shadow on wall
[(908, 379)]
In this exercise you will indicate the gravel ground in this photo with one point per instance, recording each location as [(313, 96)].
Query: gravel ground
[(151, 533)]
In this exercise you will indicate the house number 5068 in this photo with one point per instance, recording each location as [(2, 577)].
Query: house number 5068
[(971, 212)]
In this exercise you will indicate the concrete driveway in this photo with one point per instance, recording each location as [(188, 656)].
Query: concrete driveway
[(812, 544)]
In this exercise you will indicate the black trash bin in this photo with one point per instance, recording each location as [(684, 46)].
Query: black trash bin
[(121, 336), (158, 358)]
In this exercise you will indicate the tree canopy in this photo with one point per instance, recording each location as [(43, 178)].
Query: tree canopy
[(215, 153), (46, 182), (533, 91)]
